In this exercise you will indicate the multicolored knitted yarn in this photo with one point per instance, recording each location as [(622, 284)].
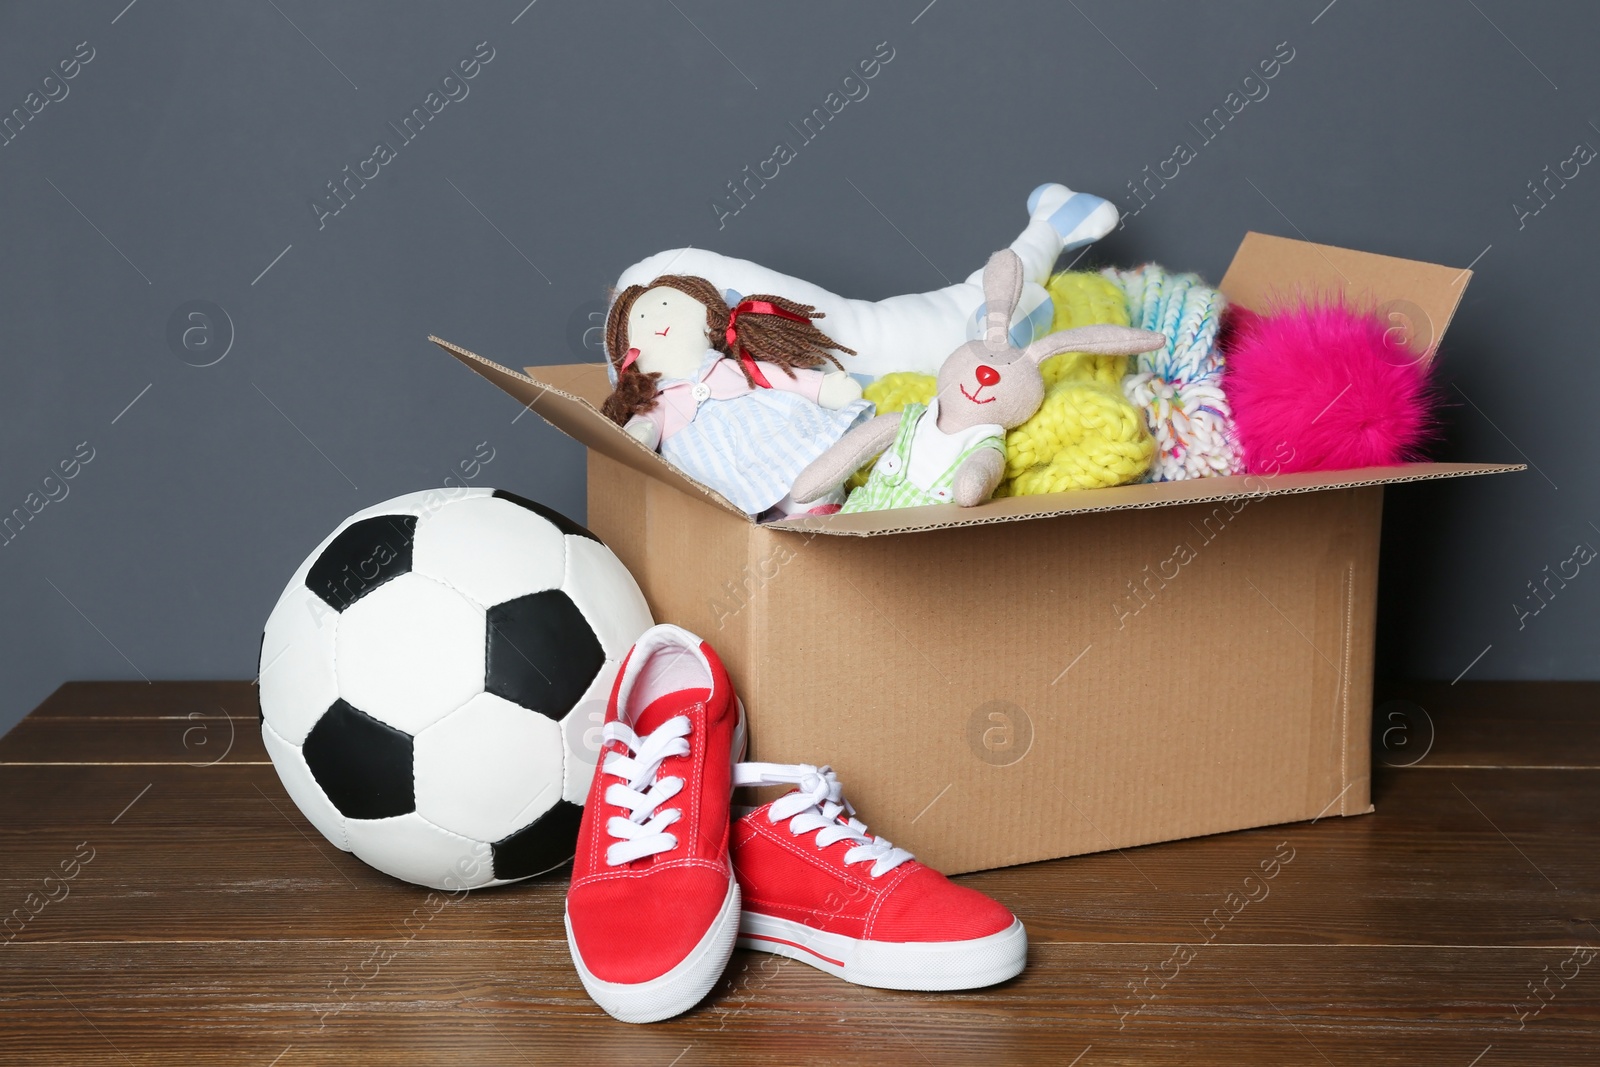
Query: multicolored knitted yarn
[(1179, 388)]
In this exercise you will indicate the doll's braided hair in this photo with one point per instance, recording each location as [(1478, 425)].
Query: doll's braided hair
[(764, 336)]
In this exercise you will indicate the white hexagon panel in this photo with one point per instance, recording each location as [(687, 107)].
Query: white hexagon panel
[(426, 854), (490, 549), (489, 768), (410, 652), (297, 656)]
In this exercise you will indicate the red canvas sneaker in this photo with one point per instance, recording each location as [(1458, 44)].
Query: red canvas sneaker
[(653, 908), (820, 889)]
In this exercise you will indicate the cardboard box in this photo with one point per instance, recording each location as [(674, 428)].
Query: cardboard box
[(1049, 675)]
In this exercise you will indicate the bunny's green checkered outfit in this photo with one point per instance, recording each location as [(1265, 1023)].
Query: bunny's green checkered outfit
[(920, 466)]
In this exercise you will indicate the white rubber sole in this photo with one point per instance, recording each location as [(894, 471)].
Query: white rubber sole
[(679, 989), (923, 965)]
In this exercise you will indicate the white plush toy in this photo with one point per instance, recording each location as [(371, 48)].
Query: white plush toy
[(916, 331)]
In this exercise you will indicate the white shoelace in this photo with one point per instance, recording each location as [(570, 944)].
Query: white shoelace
[(644, 831), (818, 804)]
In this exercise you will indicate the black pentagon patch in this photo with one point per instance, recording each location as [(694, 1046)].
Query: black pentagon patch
[(550, 515), (541, 653), (363, 765), (364, 556), (544, 846)]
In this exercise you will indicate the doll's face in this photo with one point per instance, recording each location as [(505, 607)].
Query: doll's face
[(668, 327)]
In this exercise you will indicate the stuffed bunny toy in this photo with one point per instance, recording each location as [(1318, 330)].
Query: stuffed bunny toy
[(953, 448)]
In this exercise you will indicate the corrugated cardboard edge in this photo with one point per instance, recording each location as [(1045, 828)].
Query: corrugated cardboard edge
[(1131, 497), (579, 417)]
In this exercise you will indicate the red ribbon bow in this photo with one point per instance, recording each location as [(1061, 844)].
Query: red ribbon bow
[(754, 307)]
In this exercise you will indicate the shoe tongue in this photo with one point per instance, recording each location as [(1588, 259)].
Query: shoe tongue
[(665, 707)]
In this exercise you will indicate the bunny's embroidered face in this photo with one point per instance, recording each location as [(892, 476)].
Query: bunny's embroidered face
[(668, 327), (978, 384)]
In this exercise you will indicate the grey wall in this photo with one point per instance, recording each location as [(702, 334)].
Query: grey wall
[(183, 157)]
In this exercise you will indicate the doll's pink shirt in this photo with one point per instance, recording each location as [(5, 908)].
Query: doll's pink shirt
[(724, 380)]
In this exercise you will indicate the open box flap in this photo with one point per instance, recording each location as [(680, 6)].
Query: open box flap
[(1415, 299), (568, 397)]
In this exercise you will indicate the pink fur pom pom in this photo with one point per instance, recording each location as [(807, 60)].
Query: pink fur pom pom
[(1321, 386)]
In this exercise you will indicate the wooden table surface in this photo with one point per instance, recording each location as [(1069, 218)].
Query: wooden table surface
[(192, 916)]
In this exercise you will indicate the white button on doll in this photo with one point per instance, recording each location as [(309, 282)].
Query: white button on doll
[(733, 397)]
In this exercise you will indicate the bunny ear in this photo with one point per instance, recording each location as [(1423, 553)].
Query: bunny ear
[(1002, 288), (1097, 340)]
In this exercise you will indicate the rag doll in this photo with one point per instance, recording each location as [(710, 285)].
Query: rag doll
[(953, 448), (732, 396), (914, 331)]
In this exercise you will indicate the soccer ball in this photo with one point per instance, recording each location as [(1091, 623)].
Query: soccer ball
[(434, 678)]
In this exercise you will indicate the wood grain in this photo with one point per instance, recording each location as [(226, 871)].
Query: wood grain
[(132, 700), (1490, 724), (213, 924), (192, 739), (357, 1002), (181, 843)]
